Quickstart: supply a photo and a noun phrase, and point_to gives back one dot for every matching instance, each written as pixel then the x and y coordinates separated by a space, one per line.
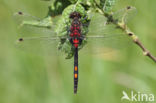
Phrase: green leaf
pixel 46 22
pixel 57 7
pixel 107 5
pixel 73 1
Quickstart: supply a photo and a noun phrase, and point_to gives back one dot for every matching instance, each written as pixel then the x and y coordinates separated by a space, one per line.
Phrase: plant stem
pixel 128 32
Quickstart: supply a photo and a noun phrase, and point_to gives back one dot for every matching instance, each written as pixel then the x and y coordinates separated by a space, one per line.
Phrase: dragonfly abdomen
pixel 76 70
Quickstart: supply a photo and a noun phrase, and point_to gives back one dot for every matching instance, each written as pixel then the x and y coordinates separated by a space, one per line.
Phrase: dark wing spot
pixel 130 34
pixel 20 13
pixel 20 39
pixel 128 7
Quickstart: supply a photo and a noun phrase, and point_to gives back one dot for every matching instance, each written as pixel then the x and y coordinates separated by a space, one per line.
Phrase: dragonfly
pixel 99 35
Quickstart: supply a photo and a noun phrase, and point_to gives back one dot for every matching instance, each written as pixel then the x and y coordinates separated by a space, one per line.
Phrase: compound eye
pixel 71 16
pixel 79 15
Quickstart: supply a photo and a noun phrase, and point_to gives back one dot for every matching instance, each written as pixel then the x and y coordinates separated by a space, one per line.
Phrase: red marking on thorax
pixel 75 41
pixel 75 31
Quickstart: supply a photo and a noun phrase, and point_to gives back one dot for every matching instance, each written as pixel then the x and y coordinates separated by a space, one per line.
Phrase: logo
pixel 140 97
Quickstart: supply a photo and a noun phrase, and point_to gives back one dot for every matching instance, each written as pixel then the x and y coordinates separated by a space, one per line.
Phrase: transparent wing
pixel 38 45
pixel 125 14
pixel 36 35
pixel 27 22
pixel 103 38
pixel 105 44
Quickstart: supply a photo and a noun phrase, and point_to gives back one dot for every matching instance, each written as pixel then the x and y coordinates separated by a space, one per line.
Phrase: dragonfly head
pixel 75 15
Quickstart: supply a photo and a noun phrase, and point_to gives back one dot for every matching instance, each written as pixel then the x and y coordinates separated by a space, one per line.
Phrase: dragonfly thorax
pixel 75 29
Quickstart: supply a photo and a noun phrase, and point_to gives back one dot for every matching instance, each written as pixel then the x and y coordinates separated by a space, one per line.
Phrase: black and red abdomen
pixel 75 29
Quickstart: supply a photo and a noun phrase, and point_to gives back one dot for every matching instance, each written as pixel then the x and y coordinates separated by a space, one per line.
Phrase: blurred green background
pixel 29 78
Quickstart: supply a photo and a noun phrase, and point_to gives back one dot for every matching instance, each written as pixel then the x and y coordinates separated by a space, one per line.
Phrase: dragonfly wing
pixel 103 38
pixel 125 14
pixel 107 44
pixel 98 26
pixel 36 35
pixel 25 21
pixel 38 45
